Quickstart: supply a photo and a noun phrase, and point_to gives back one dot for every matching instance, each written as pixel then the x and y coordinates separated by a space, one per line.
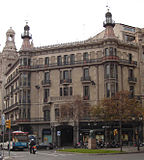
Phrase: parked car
pixel 45 146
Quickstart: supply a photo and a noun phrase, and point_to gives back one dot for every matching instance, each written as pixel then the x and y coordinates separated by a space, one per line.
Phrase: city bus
pixel 19 140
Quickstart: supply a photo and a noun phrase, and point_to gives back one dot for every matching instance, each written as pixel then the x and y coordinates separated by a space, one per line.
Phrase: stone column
pixel 75 134
pixel 54 138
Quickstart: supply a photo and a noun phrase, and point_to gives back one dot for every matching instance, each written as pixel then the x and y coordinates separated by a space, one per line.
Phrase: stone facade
pixel 43 78
pixel 7 58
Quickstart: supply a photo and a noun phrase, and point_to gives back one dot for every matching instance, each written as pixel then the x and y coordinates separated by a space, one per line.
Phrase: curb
pixel 8 158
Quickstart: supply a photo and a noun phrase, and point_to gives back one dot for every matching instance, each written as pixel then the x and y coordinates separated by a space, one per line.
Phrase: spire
pixel 26 36
pixel 109 25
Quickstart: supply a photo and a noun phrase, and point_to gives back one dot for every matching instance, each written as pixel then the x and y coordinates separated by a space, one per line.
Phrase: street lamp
pixel 138 129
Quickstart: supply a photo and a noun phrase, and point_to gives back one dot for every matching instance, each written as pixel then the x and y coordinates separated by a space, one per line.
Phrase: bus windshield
pixel 20 136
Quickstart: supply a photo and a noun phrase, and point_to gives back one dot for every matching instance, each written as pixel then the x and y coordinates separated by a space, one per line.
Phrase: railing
pixel 83 62
pixel 111 76
pixel 61 98
pixel 132 79
pixel 46 82
pixel 21 120
pixel 11 107
pixel 65 81
pixel 85 97
pixel 87 78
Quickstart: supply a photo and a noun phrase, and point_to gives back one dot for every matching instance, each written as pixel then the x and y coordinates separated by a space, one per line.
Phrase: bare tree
pixel 120 107
pixel 74 110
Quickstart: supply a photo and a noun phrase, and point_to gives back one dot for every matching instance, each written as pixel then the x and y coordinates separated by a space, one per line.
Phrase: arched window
pixel 47 115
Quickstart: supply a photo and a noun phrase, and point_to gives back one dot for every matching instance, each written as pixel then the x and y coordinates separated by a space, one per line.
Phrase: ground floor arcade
pixel 71 133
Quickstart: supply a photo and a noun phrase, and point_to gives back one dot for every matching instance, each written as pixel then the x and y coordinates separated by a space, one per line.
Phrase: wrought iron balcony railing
pixel 132 79
pixel 65 81
pixel 46 82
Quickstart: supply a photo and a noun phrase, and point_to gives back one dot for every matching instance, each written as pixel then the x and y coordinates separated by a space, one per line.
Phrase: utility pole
pixel 8 125
pixel 3 127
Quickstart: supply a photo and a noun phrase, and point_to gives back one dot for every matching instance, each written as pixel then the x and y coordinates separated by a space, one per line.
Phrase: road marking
pixel 53 154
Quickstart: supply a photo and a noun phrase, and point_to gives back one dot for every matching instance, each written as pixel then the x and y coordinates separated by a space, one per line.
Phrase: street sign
pixel 3 120
pixel 58 133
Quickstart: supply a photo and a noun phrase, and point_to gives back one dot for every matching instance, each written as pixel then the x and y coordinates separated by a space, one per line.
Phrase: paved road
pixel 52 155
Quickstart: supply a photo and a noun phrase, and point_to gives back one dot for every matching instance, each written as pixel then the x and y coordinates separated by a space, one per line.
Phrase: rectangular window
pixel 46 94
pixel 65 74
pixel 129 29
pixel 71 91
pixel 47 115
pixel 132 90
pixel 59 60
pixel 131 73
pixel 111 51
pixel 56 113
pixel 107 89
pixel 61 92
pixel 72 59
pixel 85 56
pixel 115 52
pixel 46 60
pixel 24 96
pixel 28 96
pixel 46 76
pixel 29 79
pixel 130 57
pixel 129 38
pixel 106 52
pixel 24 75
pixel 65 59
pixel 25 61
pixel 86 92
pixel 29 62
pixel 65 91
pixel 86 73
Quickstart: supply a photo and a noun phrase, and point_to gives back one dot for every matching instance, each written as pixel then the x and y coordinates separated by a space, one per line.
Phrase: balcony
pixel 86 98
pixel 24 67
pixel 111 76
pixel 46 82
pixel 12 107
pixel 61 98
pixel 110 58
pixel 132 80
pixel 65 81
pixel 85 62
pixel 46 100
pixel 86 79
pixel 30 121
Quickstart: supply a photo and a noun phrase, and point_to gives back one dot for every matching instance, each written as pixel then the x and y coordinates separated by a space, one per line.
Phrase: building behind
pixel 44 78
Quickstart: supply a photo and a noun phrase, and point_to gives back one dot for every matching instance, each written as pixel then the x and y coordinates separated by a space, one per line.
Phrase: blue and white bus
pixel 19 140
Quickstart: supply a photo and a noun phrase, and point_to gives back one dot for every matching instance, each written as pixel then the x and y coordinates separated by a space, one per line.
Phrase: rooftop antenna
pixel 107 6
pixel 26 21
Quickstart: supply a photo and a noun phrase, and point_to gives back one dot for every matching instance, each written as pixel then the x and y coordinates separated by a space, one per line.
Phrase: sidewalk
pixel 129 149
pixel 8 158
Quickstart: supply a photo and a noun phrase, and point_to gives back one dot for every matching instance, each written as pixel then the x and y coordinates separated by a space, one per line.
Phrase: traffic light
pixel 115 132
pixel 8 124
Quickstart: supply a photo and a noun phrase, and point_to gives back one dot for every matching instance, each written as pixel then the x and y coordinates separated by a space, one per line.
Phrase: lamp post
pixel 138 131
pixel 133 138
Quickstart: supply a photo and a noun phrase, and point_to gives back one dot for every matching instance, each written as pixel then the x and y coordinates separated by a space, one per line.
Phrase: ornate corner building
pixel 40 79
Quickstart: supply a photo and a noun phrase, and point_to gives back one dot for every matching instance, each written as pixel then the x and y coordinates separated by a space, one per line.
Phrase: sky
pixel 62 21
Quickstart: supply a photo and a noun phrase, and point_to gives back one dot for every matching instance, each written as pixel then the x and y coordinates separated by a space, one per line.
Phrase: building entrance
pixel 66 135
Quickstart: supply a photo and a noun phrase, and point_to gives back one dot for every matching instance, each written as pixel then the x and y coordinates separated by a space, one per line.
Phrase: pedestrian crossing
pixel 54 154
